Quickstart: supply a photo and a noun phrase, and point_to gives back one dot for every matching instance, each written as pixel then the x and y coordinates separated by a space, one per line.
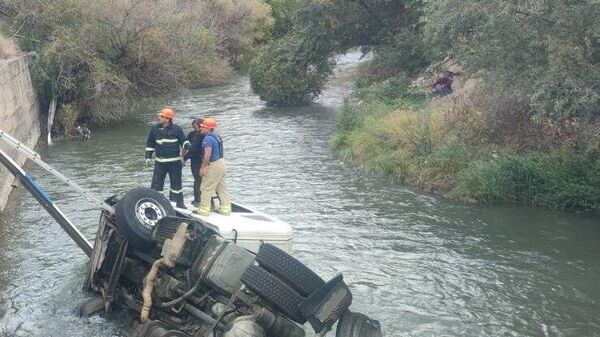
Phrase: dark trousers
pixel 173 169
pixel 195 167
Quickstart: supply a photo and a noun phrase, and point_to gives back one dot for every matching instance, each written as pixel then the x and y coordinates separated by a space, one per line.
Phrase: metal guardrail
pixel 36 158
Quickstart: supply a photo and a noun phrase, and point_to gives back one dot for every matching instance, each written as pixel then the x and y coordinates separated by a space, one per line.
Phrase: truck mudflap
pixel 325 306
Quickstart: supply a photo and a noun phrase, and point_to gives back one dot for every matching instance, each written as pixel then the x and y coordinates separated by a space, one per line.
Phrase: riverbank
pixel 446 146
pixel 101 62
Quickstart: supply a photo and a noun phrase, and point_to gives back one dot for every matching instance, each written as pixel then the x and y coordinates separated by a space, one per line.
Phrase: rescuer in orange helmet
pixel 167 141
pixel 212 170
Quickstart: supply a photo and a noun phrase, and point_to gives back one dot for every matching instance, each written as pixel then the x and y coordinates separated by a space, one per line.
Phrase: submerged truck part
pixel 44 199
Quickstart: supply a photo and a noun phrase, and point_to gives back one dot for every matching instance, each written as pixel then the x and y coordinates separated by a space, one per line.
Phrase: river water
pixel 422 265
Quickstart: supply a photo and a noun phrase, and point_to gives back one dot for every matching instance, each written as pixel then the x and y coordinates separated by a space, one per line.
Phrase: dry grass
pixel 8 48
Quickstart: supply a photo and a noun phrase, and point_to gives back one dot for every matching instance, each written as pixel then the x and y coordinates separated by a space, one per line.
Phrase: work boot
pixel 224 213
pixel 200 213
pixel 205 211
pixel 225 210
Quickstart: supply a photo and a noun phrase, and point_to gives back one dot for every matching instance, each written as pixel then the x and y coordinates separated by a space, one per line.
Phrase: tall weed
pixel 559 180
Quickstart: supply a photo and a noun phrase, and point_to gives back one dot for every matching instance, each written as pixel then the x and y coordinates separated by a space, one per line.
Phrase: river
pixel 420 264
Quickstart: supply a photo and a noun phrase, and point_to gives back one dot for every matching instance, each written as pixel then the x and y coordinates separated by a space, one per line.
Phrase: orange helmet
pixel 167 113
pixel 208 123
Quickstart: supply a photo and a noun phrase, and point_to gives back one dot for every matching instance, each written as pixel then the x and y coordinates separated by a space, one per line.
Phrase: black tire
pixel 138 211
pixel 90 306
pixel 287 268
pixel 354 324
pixel 274 291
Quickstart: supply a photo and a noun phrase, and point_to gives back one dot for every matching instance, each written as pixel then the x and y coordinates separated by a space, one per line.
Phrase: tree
pixel 291 70
pixel 103 57
pixel 544 52
pixel 314 31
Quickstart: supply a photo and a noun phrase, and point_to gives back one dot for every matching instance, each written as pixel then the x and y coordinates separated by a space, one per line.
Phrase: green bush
pixel 558 180
pixel 406 53
pixel 290 71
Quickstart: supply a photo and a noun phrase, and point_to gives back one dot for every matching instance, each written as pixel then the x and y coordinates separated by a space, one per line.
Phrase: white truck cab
pixel 248 228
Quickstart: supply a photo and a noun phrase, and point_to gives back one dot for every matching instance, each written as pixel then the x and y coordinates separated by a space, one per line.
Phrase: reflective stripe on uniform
pixel 167 140
pixel 176 191
pixel 167 160
pixel 149 149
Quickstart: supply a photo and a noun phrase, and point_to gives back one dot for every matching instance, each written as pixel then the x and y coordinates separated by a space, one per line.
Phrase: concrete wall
pixel 19 114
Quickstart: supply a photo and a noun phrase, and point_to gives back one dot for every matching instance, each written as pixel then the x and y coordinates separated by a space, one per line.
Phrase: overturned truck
pixel 182 277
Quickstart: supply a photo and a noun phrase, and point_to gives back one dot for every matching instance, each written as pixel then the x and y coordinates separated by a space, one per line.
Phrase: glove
pixel 149 161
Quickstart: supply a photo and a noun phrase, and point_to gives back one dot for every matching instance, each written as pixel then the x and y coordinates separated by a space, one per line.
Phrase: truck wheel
pixel 274 291
pixel 90 306
pixel 353 324
pixel 287 268
pixel 138 211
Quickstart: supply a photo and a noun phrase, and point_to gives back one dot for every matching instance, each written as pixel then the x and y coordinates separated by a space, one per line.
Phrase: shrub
pixel 543 53
pixel 104 57
pixel 559 180
pixel 406 53
pixel 291 70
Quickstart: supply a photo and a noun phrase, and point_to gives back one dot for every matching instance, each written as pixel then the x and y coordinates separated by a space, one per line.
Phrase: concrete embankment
pixel 19 113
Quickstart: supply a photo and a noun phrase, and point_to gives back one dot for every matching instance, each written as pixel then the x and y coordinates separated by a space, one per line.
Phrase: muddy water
pixel 420 264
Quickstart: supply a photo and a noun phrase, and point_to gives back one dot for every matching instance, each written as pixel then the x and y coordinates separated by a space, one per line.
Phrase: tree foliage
pixel 290 71
pixel 544 52
pixel 103 56
pixel 318 30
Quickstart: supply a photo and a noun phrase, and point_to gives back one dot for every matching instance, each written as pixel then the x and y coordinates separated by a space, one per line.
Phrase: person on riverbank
pixel 443 85
pixel 194 155
pixel 167 140
pixel 212 170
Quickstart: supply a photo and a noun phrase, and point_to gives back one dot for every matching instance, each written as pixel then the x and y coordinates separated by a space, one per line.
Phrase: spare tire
pixel 354 324
pixel 274 291
pixel 288 269
pixel 138 211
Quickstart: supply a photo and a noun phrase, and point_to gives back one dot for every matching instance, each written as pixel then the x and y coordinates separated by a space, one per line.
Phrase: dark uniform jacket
pixel 195 152
pixel 166 142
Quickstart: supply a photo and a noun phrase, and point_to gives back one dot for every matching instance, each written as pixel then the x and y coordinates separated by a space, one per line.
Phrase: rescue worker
pixel 166 140
pixel 194 154
pixel 212 170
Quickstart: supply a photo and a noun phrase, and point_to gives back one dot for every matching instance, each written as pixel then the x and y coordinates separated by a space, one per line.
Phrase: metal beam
pixel 44 199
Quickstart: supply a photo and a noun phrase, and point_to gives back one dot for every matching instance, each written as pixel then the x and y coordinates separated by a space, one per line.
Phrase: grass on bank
pixel 419 143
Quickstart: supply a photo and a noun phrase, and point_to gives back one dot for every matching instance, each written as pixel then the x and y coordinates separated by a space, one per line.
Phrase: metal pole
pixel 44 199
pixel 36 158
